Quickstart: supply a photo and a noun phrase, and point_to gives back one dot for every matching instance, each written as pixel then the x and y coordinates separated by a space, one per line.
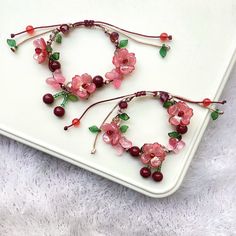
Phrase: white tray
pixel 204 39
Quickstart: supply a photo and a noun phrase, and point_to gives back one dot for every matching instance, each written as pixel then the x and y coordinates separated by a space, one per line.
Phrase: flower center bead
pixel 125 61
pixel 38 50
pixel 109 132
pixel 181 113
pixel 152 155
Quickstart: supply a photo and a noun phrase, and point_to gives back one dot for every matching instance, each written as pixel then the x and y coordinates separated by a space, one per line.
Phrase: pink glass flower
pixel 83 85
pixel 124 61
pixel 40 50
pixel 112 135
pixel 180 113
pixel 175 145
pixel 115 77
pixel 153 154
pixel 57 80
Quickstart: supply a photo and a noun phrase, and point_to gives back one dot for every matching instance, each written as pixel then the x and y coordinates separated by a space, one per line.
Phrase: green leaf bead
pixel 168 104
pixel 58 38
pixel 123 128
pixel 215 115
pixel 72 97
pixel 55 56
pixel 11 42
pixel 49 48
pixel 94 129
pixel 163 50
pixel 123 43
pixel 175 134
pixel 123 116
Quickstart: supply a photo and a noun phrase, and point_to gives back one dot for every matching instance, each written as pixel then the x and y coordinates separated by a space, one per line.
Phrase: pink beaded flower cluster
pixel 151 155
pixel 81 86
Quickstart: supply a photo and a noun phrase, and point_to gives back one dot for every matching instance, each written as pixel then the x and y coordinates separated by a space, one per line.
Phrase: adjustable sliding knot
pixel 140 93
pixel 88 23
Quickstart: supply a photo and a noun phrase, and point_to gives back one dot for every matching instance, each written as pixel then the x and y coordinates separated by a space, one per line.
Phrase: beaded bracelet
pixel 82 86
pixel 151 155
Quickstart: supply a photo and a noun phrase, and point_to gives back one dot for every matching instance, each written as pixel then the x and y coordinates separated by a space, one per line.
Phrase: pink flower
pixel 153 154
pixel 115 77
pixel 57 80
pixel 124 61
pixel 40 50
pixel 112 135
pixel 83 86
pixel 180 113
pixel 175 145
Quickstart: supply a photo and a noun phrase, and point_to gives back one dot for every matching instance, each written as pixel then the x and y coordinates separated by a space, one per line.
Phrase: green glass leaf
pixel 163 50
pixel 175 134
pixel 58 38
pixel 123 128
pixel 167 104
pixel 55 56
pixel 11 42
pixel 123 43
pixel 123 116
pixel 215 115
pixel 72 98
pixel 49 48
pixel 94 129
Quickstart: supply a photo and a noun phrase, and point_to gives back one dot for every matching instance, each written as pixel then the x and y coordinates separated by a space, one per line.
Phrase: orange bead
pixel 76 122
pixel 29 29
pixel 206 102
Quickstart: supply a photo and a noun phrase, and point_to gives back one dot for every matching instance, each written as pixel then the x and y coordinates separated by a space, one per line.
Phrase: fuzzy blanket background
pixel 41 195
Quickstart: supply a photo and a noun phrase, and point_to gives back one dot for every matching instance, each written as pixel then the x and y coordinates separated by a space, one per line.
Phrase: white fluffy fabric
pixel 41 195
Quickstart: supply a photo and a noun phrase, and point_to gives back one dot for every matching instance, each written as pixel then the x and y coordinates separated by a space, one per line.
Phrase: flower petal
pixel 53 83
pixel 145 158
pixel 91 88
pixel 119 149
pixel 117 83
pixel 125 143
pixel 155 162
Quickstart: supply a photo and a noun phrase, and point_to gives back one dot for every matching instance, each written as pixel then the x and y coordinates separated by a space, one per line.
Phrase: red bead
pixel 38 50
pixel 123 104
pixel 182 129
pixel 181 113
pixel 98 81
pixel 157 176
pixel 145 172
pixel 134 151
pixel 54 65
pixel 206 102
pixel 64 28
pixel 48 98
pixel 114 37
pixel 59 111
pixel 163 36
pixel 76 122
pixel 29 29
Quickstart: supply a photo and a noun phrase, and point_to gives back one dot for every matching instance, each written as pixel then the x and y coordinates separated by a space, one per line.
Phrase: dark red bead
pixel 145 172
pixel 48 98
pixel 54 65
pixel 123 104
pixel 134 151
pixel 157 176
pixel 164 96
pixel 98 81
pixel 59 111
pixel 65 28
pixel 182 129
pixel 114 36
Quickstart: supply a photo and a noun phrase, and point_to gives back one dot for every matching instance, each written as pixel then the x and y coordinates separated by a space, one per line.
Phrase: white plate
pixel 204 39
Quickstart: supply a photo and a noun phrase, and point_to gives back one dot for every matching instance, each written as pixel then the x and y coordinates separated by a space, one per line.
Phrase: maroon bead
pixel 48 98
pixel 182 129
pixel 145 172
pixel 54 65
pixel 164 96
pixel 64 28
pixel 157 176
pixel 114 36
pixel 59 111
pixel 98 81
pixel 123 104
pixel 134 151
